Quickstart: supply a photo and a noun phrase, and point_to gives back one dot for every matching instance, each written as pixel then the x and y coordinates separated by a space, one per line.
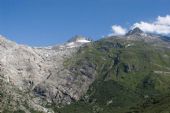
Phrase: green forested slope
pixel 132 77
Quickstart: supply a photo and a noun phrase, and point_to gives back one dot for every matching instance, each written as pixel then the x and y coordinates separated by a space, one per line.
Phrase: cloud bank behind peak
pixel 161 25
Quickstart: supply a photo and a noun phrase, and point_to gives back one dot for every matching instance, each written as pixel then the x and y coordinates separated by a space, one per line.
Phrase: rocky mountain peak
pixel 74 42
pixel 79 38
pixel 135 31
pixel 138 34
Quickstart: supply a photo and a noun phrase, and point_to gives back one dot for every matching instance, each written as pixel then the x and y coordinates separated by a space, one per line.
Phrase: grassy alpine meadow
pixel 129 79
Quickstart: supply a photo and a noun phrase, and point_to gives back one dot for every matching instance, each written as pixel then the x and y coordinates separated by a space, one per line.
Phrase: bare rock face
pixel 40 71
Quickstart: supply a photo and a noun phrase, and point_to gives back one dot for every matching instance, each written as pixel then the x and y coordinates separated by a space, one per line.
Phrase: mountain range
pixel 117 74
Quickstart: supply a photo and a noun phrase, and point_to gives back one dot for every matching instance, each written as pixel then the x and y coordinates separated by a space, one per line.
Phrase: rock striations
pixel 40 71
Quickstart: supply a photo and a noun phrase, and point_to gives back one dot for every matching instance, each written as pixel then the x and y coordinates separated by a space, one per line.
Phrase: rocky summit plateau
pixel 116 74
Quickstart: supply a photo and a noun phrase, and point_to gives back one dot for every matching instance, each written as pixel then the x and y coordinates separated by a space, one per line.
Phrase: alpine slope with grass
pixel 116 74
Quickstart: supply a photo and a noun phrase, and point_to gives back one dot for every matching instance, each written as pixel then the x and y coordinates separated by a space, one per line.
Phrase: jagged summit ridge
pixel 135 31
pixel 138 34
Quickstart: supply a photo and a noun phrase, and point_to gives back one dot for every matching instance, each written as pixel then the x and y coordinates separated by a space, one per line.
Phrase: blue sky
pixel 48 22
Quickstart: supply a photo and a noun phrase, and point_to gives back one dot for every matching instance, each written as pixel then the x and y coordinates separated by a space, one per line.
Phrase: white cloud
pixel 163 20
pixel 160 26
pixel 118 30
